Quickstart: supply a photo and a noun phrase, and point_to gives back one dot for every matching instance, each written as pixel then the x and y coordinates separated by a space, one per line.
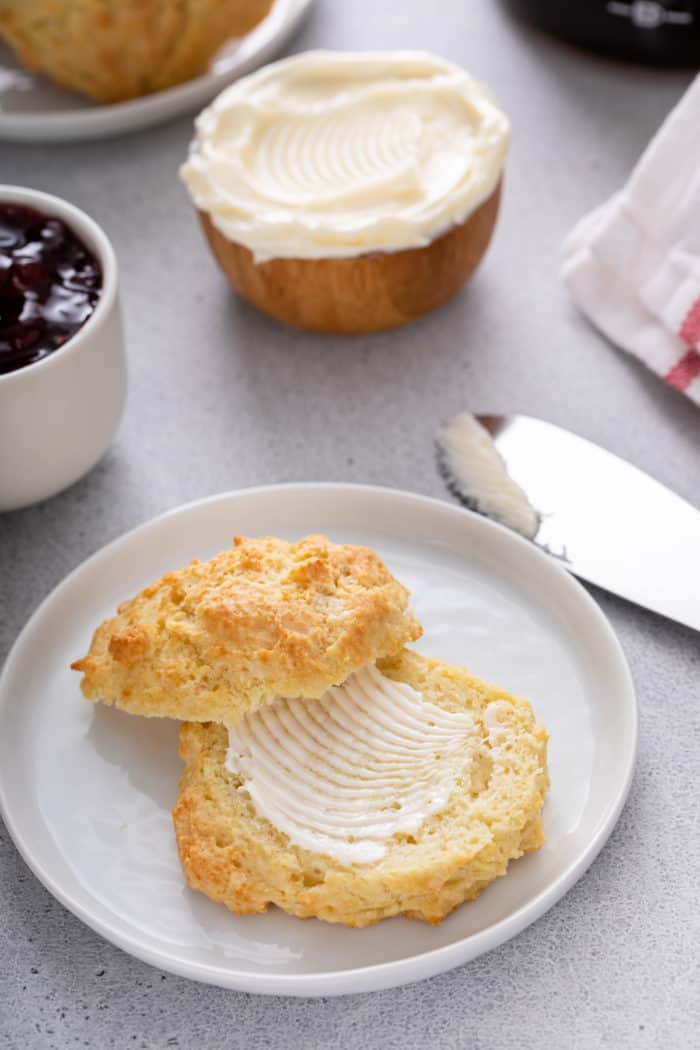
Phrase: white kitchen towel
pixel 633 264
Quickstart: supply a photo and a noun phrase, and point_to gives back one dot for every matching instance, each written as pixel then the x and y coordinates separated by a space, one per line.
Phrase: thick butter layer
pixel 343 774
pixel 340 153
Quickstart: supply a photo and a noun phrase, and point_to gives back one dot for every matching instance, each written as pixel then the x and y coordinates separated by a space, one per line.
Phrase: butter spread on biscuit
pixel 343 774
pixel 335 154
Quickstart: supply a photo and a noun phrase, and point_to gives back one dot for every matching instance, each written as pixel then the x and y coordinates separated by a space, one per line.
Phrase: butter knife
pixel 604 519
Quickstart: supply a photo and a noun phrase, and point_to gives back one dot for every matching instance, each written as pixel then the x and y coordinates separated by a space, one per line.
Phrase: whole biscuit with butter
pixel 404 792
pixel 349 191
pixel 264 619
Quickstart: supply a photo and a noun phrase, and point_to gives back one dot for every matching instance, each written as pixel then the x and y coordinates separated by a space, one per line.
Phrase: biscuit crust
pixel 263 619
pixel 236 857
pixel 114 51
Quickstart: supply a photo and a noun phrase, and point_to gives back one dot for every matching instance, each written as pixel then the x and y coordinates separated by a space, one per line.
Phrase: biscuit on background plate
pixel 117 50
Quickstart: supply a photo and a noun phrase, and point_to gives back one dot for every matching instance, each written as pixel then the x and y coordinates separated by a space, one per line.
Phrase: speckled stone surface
pixel 221 398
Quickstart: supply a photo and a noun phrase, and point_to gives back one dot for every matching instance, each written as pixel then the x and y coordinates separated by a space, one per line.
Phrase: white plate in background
pixel 34 109
pixel 86 791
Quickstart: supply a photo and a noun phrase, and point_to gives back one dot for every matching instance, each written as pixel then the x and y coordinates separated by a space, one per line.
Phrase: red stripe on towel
pixel 690 329
pixel 688 367
pixel 684 371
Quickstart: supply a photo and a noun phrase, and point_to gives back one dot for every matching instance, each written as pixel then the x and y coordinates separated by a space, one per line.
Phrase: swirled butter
pixel 334 154
pixel 343 774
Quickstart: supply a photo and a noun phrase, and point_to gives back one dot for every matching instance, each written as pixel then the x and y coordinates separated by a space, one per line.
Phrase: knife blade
pixel 606 521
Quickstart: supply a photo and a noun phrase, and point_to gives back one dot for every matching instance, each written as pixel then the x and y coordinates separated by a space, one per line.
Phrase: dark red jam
pixel 49 285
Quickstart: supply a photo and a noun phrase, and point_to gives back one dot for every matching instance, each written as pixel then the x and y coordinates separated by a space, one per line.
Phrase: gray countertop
pixel 222 398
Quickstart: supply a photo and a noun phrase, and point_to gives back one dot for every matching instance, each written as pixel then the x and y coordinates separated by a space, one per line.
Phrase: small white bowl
pixel 58 416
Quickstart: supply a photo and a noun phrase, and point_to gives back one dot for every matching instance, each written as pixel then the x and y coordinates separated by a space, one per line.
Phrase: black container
pixel 660 33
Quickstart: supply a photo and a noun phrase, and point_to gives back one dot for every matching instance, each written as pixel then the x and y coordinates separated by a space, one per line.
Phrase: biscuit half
pixel 493 815
pixel 264 619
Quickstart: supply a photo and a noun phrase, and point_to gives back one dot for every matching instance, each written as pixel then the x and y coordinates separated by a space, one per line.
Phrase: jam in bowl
pixel 49 285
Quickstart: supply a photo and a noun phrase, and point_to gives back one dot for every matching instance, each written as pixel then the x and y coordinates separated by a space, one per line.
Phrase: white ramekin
pixel 57 416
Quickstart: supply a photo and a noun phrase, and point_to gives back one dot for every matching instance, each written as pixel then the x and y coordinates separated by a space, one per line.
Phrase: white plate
pixel 86 791
pixel 34 109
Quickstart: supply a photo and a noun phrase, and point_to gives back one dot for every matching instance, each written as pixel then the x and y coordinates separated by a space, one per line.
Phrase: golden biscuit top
pixel 266 618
